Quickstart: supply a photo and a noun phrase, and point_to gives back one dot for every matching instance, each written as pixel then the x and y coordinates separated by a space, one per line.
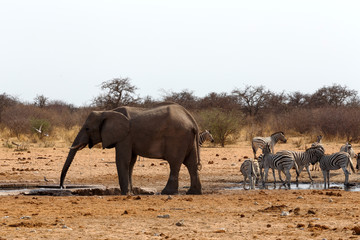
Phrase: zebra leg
pixel 288 178
pixel 274 176
pixel 245 182
pixel 328 178
pixel 308 171
pixel 254 151
pixel 266 176
pixel 324 174
pixel 346 172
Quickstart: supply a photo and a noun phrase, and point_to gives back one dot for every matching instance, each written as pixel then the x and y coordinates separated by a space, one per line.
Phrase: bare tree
pixel 251 99
pixel 119 92
pixel 40 101
pixel 185 98
pixel 335 96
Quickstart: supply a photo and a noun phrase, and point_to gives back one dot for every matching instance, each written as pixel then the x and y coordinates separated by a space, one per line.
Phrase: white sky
pixel 65 49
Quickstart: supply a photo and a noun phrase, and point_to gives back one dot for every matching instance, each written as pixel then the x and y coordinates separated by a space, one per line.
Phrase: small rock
pixel 300 197
pixel 268 225
pixel 233 164
pixel 284 213
pixel 356 230
pixel 66 227
pixel 25 217
pixel 256 203
pixel 224 158
pixel 169 197
pixel 210 162
pixel 164 216
pixel 221 230
pixel 330 200
pixel 217 155
pixel 180 223
pixel 311 211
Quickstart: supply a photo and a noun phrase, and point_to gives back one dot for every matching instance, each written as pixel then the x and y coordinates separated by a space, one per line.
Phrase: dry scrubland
pixel 220 213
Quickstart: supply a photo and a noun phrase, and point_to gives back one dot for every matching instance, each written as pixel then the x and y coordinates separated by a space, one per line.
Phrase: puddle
pixel 301 186
pixel 54 190
pixel 70 190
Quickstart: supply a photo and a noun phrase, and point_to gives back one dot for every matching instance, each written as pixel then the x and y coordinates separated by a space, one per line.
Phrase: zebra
pixel 333 162
pixel 358 161
pixel 250 169
pixel 205 135
pixel 348 148
pixel 316 167
pixel 302 159
pixel 259 142
pixel 280 162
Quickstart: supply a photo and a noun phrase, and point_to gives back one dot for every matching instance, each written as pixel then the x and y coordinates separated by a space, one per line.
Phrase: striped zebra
pixel 259 142
pixel 250 169
pixel 204 136
pixel 316 166
pixel 348 148
pixel 302 159
pixel 280 162
pixel 334 161
pixel 358 161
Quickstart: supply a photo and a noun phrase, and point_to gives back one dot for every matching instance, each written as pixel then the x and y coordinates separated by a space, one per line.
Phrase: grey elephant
pixel 167 131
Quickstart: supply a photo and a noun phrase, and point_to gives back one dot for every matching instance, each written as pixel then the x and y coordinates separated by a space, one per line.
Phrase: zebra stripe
pixel 280 162
pixel 333 162
pixel 302 159
pixel 317 143
pixel 205 135
pixel 250 169
pixel 259 142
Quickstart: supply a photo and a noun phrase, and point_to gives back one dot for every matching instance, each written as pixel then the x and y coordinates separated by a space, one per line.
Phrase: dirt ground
pixel 224 211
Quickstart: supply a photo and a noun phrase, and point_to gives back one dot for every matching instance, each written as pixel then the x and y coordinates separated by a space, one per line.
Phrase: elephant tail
pixel 197 149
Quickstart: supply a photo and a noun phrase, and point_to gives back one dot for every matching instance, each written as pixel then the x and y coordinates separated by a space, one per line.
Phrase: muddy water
pixel 300 186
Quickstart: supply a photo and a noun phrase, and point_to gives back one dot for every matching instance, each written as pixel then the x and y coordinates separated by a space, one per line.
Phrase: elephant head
pixel 107 127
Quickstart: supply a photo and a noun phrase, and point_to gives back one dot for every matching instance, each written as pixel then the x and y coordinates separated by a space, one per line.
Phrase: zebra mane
pixel 278 133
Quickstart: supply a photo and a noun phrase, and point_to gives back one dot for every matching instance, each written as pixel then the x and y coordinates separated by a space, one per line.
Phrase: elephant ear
pixel 115 128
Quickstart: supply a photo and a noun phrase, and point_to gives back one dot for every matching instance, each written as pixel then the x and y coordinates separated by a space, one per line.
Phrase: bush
pixel 224 125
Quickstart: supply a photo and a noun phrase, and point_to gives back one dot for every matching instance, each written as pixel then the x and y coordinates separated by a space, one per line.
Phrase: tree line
pixel 332 111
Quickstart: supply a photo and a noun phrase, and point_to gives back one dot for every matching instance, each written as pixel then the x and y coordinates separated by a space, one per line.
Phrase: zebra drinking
pixel 204 136
pixel 280 162
pixel 333 162
pixel 348 148
pixel 259 142
pixel 250 169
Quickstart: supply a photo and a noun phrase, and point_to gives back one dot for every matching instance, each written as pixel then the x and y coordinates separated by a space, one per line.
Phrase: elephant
pixel 167 131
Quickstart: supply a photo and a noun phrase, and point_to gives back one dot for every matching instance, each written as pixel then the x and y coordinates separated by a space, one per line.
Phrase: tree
pixel 40 101
pixel 185 98
pixel 335 96
pixel 251 99
pixel 119 92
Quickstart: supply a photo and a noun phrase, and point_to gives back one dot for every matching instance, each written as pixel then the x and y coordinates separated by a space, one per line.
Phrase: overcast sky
pixel 66 49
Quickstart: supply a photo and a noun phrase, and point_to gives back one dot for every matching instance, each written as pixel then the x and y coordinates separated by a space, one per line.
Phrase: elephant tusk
pixel 79 146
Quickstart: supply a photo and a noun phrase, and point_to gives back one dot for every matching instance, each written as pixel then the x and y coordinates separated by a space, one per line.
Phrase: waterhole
pixel 300 186
pixel 69 190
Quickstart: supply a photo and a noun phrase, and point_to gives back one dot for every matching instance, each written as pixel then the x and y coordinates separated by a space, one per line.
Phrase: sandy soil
pixel 222 212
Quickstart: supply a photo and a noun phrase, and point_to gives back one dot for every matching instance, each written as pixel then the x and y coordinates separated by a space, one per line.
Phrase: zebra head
pixel 279 136
pixel 209 136
pixel 315 153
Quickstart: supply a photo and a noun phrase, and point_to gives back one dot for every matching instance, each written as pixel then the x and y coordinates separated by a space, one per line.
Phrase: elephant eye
pixel 87 129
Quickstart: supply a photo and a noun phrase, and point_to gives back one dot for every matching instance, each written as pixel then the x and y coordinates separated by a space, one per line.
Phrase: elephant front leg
pixel 173 181
pixel 123 158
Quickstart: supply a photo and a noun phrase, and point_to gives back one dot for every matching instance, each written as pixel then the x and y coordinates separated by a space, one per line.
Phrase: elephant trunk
pixel 66 166
pixel 79 143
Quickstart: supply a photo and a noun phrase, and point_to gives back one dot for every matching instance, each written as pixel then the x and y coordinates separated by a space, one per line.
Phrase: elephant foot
pixel 193 192
pixel 169 192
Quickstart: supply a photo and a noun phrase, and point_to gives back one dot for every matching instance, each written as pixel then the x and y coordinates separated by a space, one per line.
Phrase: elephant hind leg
pixel 131 168
pixel 192 166
pixel 172 185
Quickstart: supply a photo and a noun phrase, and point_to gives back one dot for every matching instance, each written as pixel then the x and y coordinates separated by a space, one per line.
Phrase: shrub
pixel 224 125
